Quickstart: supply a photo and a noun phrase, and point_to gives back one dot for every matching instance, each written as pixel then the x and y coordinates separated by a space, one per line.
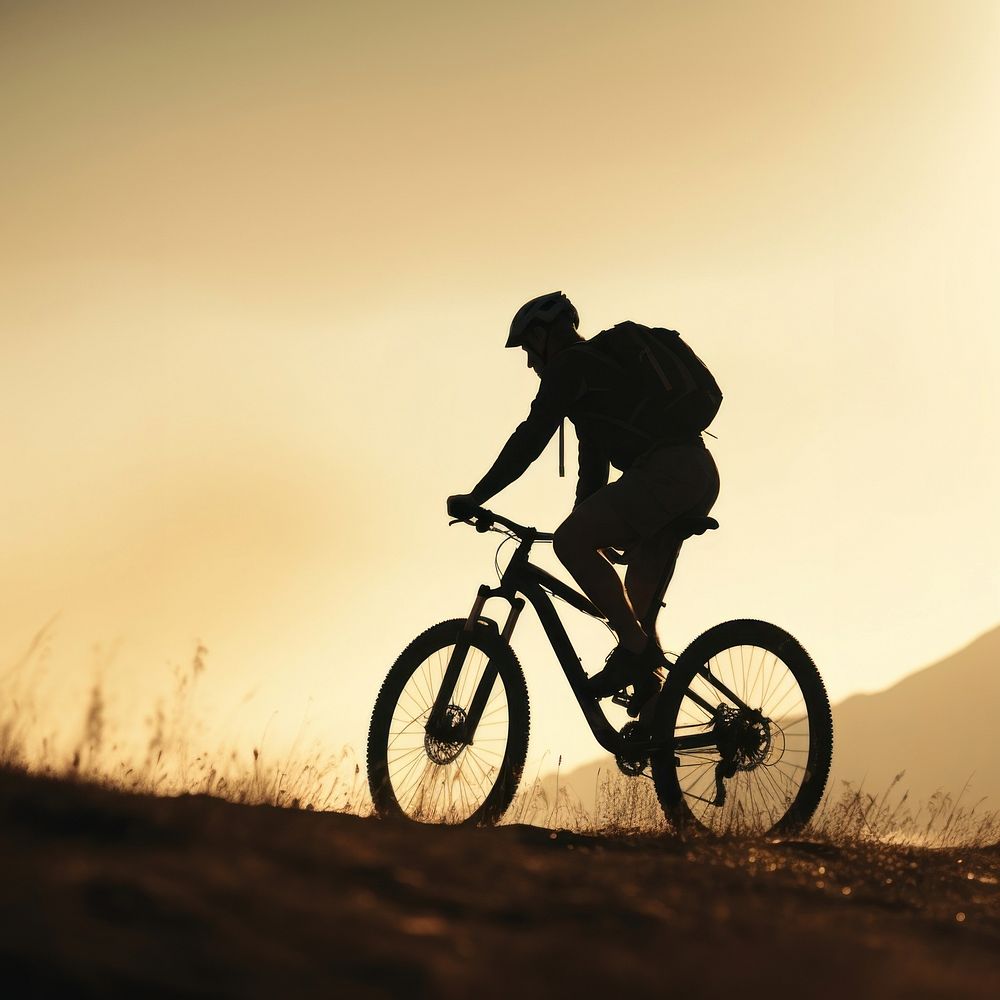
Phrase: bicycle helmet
pixel 542 311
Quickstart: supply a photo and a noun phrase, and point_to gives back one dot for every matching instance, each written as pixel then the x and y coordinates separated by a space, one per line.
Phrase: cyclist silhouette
pixel 620 420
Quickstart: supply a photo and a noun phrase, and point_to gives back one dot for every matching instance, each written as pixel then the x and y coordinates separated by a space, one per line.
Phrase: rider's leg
pixel 683 481
pixel 593 526
pixel 650 569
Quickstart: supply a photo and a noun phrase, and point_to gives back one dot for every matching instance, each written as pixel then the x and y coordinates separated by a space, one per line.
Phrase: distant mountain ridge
pixel 939 727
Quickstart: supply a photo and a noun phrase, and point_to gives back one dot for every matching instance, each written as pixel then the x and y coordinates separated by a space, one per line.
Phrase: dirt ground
pixel 110 895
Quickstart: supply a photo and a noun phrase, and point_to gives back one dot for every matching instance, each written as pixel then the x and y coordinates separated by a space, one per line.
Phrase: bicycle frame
pixel 522 577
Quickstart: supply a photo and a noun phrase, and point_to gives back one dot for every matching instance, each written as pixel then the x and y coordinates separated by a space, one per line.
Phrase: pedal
pixel 643 708
pixel 622 698
pixel 644 695
pixel 634 697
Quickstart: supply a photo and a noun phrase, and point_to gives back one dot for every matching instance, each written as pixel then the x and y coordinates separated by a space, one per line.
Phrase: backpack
pixel 662 389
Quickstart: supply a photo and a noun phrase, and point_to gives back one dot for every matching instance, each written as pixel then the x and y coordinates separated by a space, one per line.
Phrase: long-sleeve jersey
pixel 579 384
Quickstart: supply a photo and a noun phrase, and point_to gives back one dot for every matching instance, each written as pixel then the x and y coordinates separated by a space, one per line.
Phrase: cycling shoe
pixel 624 667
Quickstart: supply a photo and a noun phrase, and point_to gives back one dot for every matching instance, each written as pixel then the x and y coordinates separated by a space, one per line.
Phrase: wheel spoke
pixel 432 779
pixel 764 739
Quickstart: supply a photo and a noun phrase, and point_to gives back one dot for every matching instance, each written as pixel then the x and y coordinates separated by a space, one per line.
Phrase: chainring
pixel 632 763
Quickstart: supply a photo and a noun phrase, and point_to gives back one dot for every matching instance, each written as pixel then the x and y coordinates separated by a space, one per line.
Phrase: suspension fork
pixel 489 677
pixel 453 671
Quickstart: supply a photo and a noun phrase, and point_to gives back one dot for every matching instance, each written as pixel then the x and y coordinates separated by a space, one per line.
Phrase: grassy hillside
pixel 106 894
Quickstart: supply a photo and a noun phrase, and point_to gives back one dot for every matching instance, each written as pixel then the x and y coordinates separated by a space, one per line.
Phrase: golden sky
pixel 257 266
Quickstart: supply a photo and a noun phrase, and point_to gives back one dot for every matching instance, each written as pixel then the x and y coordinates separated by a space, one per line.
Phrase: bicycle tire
pixel 446 777
pixel 762 796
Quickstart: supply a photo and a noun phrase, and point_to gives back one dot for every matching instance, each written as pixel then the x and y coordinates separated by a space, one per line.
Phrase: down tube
pixel 603 731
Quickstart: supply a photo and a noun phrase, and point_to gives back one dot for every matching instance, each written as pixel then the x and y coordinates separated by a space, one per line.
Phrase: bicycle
pixel 738 741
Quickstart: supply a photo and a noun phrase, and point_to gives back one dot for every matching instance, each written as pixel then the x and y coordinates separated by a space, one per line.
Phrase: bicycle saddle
pixel 694 525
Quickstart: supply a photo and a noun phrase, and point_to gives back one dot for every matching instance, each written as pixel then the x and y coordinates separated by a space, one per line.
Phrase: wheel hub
pixel 444 744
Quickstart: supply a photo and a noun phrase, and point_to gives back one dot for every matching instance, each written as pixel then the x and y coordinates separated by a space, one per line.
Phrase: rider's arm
pixel 559 387
pixel 593 471
pixel 523 446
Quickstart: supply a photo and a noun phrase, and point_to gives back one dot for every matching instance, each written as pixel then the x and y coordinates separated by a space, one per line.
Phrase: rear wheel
pixel 750 719
pixel 431 777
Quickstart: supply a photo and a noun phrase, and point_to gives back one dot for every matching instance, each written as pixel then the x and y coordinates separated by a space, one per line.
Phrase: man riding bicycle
pixel 638 399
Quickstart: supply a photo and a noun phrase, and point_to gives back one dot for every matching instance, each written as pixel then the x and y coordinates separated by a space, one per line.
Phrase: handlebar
pixel 484 520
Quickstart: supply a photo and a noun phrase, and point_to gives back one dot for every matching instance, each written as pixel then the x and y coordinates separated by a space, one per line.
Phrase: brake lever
pixel 482 525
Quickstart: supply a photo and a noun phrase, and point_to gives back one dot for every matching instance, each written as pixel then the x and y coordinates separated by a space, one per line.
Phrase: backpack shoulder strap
pixel 598 349
pixel 645 341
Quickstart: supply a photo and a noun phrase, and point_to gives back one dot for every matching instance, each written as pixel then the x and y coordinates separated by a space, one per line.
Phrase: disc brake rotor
pixel 443 745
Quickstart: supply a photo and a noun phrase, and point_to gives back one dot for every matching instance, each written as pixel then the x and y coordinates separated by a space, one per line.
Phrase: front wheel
pixel 425 776
pixel 752 734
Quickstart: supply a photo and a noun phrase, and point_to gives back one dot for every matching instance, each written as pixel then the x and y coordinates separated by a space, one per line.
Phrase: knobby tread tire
pixel 487 639
pixel 746 632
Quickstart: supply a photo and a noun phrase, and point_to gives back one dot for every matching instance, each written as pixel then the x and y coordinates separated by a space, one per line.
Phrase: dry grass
pixel 312 777
pixel 847 815
pixel 893 818
pixel 624 806
pixel 169 761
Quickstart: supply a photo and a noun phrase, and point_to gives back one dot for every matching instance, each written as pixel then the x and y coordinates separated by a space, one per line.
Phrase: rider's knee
pixel 565 542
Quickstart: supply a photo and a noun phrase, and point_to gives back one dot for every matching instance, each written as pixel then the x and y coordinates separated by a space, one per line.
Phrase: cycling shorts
pixel 664 484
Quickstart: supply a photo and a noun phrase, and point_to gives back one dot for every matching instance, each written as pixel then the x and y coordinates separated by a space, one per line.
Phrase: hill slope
pixel 108 895
pixel 938 725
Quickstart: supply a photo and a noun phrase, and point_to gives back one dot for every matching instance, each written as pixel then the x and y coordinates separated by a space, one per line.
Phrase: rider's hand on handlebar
pixel 462 506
